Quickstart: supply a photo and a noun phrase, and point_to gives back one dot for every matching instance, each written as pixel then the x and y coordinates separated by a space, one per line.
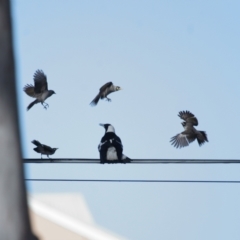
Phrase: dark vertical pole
pixel 14 219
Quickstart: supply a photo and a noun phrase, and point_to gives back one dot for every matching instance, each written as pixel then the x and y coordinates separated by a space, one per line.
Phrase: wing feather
pixel 29 90
pixel 105 86
pixel 179 140
pixel 40 81
pixel 47 148
pixel 188 117
pixel 37 143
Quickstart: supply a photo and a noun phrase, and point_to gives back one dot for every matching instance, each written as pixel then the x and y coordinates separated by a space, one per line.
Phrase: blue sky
pixel 167 56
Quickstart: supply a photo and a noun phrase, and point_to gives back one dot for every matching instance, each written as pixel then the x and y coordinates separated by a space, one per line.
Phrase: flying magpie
pixel 190 133
pixel 104 91
pixel 39 90
pixel 110 147
pixel 43 149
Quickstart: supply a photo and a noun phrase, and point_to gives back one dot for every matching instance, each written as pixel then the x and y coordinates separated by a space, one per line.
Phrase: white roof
pixel 70 211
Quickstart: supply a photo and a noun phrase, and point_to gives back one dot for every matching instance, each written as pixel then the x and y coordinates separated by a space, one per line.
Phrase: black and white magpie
pixel 190 133
pixel 110 147
pixel 39 90
pixel 104 91
pixel 43 149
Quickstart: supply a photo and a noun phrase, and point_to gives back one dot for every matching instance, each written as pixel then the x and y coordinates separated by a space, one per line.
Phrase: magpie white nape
pixel 110 147
pixel 190 133
pixel 110 127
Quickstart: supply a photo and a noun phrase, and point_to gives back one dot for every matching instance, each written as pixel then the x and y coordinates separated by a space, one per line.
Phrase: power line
pixel 134 161
pixel 132 181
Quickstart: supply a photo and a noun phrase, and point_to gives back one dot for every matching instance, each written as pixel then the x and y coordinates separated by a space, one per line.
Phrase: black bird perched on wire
pixel 104 91
pixel 190 133
pixel 43 149
pixel 110 147
pixel 39 90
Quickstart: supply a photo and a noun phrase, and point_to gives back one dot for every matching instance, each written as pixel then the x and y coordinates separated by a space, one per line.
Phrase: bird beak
pixel 120 88
pixel 101 124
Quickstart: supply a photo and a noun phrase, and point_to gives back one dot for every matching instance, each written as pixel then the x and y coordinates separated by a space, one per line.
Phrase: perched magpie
pixel 43 149
pixel 190 133
pixel 39 90
pixel 110 147
pixel 105 90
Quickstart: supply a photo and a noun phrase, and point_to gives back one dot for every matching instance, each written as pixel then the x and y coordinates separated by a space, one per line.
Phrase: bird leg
pixel 108 99
pixel 46 105
pixel 50 158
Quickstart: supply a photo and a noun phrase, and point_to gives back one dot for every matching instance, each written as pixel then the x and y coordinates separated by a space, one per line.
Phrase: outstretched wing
pixel 37 143
pixel 188 117
pixel 40 81
pixel 29 90
pixel 179 141
pixel 182 140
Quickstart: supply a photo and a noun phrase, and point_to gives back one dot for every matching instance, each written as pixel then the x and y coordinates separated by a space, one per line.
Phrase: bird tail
pixel 202 138
pixel 95 100
pixel 126 159
pixel 31 104
pixel 37 143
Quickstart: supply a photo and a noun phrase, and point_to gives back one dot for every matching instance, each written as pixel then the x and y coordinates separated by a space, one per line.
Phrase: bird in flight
pixel 39 90
pixel 110 147
pixel 104 91
pixel 43 149
pixel 190 133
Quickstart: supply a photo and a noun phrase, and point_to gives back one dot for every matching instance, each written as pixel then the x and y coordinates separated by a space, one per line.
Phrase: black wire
pixel 135 161
pixel 138 161
pixel 132 181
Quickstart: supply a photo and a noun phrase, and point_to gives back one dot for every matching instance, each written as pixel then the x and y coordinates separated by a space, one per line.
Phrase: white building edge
pixel 64 216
